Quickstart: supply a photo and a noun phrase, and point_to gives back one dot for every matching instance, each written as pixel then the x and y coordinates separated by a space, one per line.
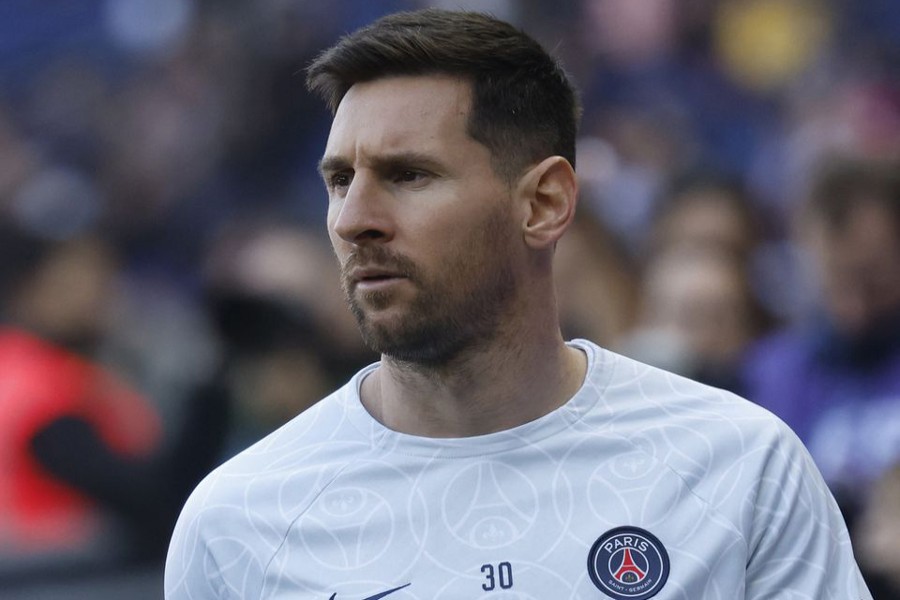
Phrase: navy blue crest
pixel 628 563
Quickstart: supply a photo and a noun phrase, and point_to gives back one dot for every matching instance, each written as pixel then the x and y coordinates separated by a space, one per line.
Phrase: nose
pixel 362 215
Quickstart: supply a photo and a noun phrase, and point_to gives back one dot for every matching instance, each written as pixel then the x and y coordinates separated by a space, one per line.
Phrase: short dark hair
pixel 841 183
pixel 524 108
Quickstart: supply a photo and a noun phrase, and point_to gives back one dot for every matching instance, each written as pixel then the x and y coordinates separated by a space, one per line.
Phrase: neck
pixel 496 386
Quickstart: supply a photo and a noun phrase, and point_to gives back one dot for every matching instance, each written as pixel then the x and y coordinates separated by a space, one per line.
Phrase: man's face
pixel 859 268
pixel 421 224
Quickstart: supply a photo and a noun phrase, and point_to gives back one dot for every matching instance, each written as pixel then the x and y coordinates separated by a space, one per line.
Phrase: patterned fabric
pixel 644 484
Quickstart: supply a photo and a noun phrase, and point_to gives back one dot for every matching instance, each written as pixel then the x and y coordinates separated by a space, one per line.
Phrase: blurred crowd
pixel 168 296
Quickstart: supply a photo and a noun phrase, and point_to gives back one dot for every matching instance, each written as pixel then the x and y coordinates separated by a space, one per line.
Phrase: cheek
pixel 487 245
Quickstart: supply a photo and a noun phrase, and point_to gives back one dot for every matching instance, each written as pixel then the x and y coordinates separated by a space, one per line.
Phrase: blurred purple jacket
pixel 841 398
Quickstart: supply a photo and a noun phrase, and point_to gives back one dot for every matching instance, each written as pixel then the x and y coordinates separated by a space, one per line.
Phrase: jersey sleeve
pixel 799 546
pixel 210 557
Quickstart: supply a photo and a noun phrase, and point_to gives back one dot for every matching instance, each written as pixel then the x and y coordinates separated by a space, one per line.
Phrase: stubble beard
pixel 455 311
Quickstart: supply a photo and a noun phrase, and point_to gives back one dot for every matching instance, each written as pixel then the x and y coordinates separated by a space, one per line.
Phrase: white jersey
pixel 644 485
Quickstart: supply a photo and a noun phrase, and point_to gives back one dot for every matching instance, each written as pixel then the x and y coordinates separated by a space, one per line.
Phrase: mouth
pixel 373 279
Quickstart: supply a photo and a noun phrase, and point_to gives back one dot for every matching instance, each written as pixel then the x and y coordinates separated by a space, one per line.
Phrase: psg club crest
pixel 628 563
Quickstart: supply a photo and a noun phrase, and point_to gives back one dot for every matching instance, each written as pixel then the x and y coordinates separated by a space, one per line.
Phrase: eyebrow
pixel 332 164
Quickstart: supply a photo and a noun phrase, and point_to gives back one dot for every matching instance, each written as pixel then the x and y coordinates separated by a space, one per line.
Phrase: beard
pixel 455 310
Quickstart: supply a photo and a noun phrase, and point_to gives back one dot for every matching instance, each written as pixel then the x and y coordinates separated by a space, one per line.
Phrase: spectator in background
pixel 87 484
pixel 706 210
pixel 835 379
pixel 699 310
pixel 56 301
pixel 698 315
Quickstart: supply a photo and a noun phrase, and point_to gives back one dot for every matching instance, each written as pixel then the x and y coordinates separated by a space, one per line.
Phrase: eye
pixel 409 176
pixel 339 180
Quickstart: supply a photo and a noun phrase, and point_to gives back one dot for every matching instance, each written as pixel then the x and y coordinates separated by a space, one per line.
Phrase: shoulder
pixel 748 468
pixel 708 436
pixel 237 517
pixel 738 458
pixel 304 448
pixel 741 460
pixel 661 399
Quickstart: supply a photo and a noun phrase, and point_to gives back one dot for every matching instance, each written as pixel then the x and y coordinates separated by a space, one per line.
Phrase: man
pixel 835 379
pixel 484 456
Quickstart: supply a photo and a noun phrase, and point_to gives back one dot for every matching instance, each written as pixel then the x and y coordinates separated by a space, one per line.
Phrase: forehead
pixel 395 113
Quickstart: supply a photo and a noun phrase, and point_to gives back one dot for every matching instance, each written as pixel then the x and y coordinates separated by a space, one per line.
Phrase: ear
pixel 550 190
